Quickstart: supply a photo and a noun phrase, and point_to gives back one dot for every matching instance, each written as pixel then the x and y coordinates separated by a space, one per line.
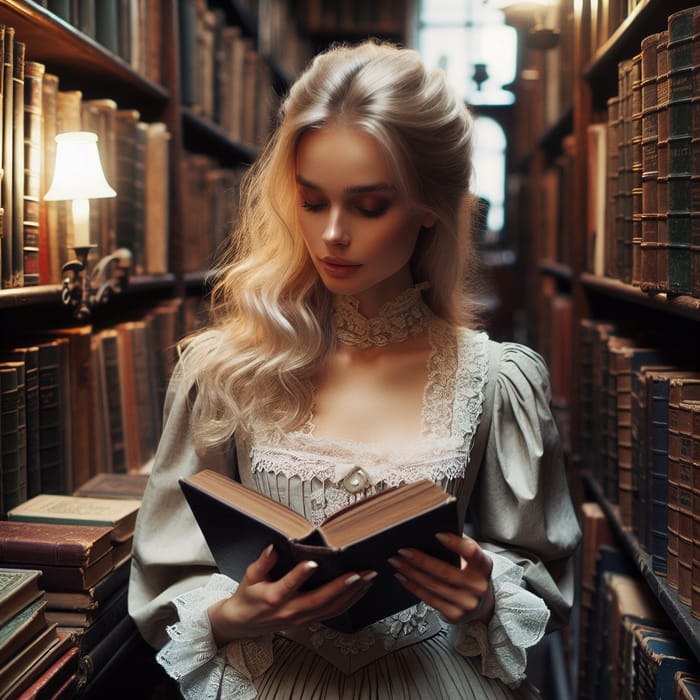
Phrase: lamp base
pixel 84 291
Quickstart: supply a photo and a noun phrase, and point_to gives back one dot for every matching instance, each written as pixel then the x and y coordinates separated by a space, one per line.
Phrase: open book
pixel 239 523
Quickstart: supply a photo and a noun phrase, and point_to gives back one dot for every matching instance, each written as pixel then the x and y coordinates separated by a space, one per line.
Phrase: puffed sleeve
pixel 170 555
pixel 521 508
pixel 173 576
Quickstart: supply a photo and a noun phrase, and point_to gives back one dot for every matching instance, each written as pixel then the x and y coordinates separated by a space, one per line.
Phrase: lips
pixel 337 267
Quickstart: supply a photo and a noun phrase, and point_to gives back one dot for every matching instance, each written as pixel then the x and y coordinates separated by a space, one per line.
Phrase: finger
pixel 261 567
pixel 331 599
pixel 413 561
pixel 468 549
pixel 454 606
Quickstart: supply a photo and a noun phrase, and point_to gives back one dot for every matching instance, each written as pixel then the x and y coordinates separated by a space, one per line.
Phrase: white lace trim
pixel 192 658
pixel 203 671
pixel 518 623
pixel 452 405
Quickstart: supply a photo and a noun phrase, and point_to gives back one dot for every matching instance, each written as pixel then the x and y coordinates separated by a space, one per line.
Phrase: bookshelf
pixel 209 75
pixel 564 264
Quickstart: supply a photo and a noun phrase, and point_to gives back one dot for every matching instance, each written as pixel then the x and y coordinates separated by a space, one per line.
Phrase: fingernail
pixel 394 562
pixel 401 577
pixel 268 550
pixel 311 565
pixel 406 553
pixel 368 577
pixel 352 579
pixel 442 537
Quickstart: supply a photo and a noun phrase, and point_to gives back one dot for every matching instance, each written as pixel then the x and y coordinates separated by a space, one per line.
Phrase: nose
pixel 335 232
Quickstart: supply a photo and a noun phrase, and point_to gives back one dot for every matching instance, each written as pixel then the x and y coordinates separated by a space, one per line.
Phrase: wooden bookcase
pixel 210 126
pixel 553 172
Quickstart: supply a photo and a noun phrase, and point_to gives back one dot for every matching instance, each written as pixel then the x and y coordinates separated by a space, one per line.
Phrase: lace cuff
pixel 192 658
pixel 519 622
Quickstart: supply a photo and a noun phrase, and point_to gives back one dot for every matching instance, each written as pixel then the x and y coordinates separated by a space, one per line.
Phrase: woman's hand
pixel 462 594
pixel 261 606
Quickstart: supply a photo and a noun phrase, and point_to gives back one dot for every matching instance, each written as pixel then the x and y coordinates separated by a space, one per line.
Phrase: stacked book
pixel 34 655
pixel 81 547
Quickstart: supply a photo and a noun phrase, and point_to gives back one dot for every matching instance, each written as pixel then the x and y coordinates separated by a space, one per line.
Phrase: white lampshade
pixel 78 172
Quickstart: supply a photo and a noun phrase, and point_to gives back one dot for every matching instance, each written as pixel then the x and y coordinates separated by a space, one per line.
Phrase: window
pixel 470 41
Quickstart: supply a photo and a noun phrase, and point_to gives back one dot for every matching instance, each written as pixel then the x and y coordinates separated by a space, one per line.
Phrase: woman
pixel 340 360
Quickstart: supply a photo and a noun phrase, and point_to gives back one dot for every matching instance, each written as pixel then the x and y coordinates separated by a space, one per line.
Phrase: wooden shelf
pixel 558 270
pixel 688 307
pixel 78 59
pixel 202 132
pixel 51 293
pixel 648 17
pixel 667 596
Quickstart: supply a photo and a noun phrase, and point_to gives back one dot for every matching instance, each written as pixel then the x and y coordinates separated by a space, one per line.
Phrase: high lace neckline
pixel 405 316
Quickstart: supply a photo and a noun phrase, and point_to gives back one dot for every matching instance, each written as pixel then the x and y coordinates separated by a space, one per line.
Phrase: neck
pixel 397 320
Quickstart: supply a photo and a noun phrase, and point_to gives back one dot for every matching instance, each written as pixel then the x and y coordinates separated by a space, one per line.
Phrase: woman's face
pixel 359 230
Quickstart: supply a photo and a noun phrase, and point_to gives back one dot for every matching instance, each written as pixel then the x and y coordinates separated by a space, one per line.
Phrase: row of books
pixel 130 29
pixel 646 156
pixel 606 17
pixel 628 646
pixel 223 74
pixel 65 565
pixel 210 197
pixel 82 400
pixel 37 235
pixel 640 421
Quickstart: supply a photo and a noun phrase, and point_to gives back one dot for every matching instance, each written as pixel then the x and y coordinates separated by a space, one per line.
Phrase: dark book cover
pixel 53 543
pixel 17 173
pixel 56 577
pixel 13 429
pixel 29 356
pixel 95 597
pixel 33 144
pixel 208 492
pixel 7 152
pixel 52 439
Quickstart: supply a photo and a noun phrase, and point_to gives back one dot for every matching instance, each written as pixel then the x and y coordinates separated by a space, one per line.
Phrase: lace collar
pixel 398 319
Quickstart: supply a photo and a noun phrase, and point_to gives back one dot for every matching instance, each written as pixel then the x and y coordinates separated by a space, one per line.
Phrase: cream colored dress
pixel 519 505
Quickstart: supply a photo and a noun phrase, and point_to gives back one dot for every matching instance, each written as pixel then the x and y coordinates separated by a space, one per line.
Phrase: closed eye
pixel 313 207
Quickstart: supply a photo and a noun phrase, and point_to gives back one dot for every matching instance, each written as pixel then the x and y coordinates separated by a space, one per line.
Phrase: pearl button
pixel 355 481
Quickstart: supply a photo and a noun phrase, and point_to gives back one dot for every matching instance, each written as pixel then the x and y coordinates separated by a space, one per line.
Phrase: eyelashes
pixel 369 212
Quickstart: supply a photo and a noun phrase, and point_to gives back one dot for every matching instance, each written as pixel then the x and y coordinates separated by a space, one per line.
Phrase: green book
pixel 18 588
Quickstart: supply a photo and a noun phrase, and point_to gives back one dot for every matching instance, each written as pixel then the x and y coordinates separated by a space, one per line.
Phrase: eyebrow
pixel 358 189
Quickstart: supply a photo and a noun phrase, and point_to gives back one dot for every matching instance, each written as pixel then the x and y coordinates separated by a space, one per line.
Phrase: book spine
pixel 112 386
pixel 662 180
pixel 695 454
pixel 29 358
pixel 33 145
pixel 52 448
pixel 662 492
pixel 7 153
pixel 50 255
pixel 650 166
pixel 17 172
pixel 12 436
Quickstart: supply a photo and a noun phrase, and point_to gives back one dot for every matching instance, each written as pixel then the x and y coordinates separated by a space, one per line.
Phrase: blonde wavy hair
pixel 270 313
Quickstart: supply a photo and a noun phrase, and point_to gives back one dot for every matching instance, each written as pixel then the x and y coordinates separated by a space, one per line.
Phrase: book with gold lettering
pixel 239 523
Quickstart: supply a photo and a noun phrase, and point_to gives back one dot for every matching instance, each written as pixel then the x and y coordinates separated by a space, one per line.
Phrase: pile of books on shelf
pixel 648 160
pixel 629 648
pixel 37 235
pixel 74 552
pixel 640 413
